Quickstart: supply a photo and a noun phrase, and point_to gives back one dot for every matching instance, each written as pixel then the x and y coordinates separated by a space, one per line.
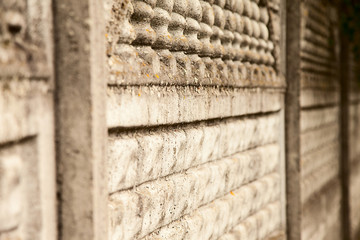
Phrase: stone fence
pixel 178 119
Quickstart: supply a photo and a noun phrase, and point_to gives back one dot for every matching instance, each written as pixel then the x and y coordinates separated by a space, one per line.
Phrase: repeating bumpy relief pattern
pixel 193 111
pixel 22 39
pixel 196 181
pixel 26 120
pixel 320 125
pixel 197 42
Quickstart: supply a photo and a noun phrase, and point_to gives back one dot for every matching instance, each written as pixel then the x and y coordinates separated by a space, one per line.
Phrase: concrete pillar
pixel 81 132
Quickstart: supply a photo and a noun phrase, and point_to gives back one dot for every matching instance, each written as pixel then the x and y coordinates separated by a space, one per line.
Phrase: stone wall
pixel 194 110
pixel 27 161
pixel 319 122
pixel 177 119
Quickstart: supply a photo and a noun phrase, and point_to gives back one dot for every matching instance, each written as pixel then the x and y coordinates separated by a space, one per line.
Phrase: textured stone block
pixel 215 219
pixel 165 200
pixel 314 139
pixel 10 192
pixel 321 213
pixel 141 106
pixel 25 39
pixel 27 162
pixel 311 161
pixel 257 226
pixel 320 177
pixel 320 121
pixel 312 97
pixel 315 118
pixel 176 114
pixel 136 158
pixel 19 108
pixel 311 80
pixel 207 41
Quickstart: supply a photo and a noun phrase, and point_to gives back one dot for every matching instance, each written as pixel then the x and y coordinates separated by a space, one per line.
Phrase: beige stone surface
pixel 193 104
pixel 165 119
pixel 319 124
pixel 215 219
pixel 27 147
pixel 144 106
pixel 139 157
pixel 165 200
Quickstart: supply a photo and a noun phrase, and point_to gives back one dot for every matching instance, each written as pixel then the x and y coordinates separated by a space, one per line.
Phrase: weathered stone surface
pixel 195 113
pixel 141 157
pixel 320 123
pixel 223 214
pixel 79 30
pixel 354 155
pixel 353 146
pixel 322 214
pixel 27 159
pixel 10 192
pixel 316 97
pixel 22 192
pixel 312 140
pixel 184 76
pixel 167 199
pixel 354 195
pixel 218 36
pixel 18 108
pixel 315 118
pixel 330 152
pixel 144 106
pixel 257 226
pixel 320 177
pixel 24 44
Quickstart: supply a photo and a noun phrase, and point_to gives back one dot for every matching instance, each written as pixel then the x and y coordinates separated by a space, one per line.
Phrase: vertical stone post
pixel 80 127
pixel 292 120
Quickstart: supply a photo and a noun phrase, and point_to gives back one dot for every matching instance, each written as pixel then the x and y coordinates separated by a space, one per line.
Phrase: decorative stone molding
pixel 195 42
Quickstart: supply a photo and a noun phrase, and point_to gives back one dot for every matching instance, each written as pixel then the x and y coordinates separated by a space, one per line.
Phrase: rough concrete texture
pixel 321 216
pixel 141 156
pixel 194 116
pixel 80 114
pixel 256 226
pixel 223 214
pixel 146 106
pixel 354 151
pixel 167 199
pixel 193 111
pixel 232 43
pixel 319 123
pixel 27 161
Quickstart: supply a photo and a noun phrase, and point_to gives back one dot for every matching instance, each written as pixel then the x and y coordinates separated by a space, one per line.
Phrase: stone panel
pixel 260 225
pixel 223 214
pixel 20 190
pixel 232 43
pixel 167 199
pixel 138 157
pixel 194 105
pixel 354 148
pixel 27 159
pixel 319 122
pixel 147 106
pixel 321 217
